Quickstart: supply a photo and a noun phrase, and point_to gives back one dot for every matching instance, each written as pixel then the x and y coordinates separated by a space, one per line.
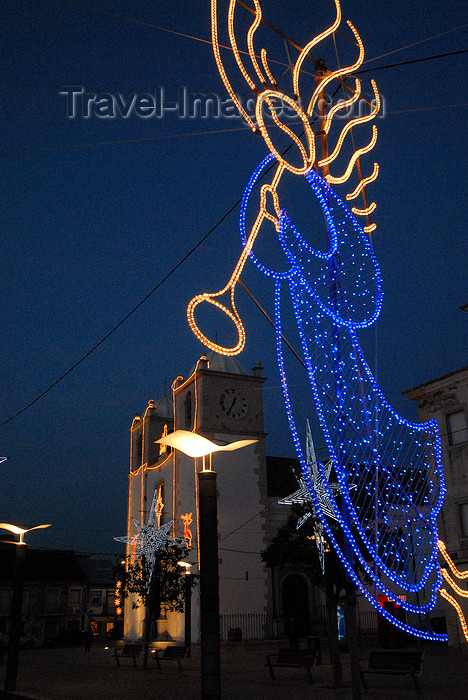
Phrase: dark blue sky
pixel 89 231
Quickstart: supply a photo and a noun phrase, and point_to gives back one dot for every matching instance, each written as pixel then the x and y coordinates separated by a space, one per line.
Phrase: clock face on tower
pixel 233 404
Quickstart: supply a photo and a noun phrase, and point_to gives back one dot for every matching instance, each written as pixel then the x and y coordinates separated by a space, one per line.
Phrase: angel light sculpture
pixel 390 476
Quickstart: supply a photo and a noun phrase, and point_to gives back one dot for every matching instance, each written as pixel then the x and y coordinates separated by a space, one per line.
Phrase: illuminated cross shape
pixel 321 542
pixel 158 508
pixel 187 519
pixel 163 448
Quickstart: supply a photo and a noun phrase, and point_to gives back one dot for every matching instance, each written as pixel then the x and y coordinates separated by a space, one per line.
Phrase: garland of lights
pixel 395 597
pixel 409 557
pixel 462 575
pixel 151 537
pixel 388 469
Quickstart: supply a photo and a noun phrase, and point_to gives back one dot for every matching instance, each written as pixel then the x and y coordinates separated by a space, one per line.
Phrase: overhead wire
pixel 153 25
pixel 119 142
pixel 51 149
pixel 125 318
pixel 415 43
pixel 407 63
pixel 193 249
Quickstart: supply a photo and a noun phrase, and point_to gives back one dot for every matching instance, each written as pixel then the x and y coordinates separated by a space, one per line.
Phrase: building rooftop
pixel 222 363
pixel 435 380
pixel 42 565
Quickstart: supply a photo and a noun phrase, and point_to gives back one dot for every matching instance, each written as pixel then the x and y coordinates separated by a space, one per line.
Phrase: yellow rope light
pixel 445 554
pixel 370 228
pixel 250 33
pixel 219 63
pixel 445 594
pixel 364 212
pixel 156 466
pixel 350 125
pixel 263 55
pixel 307 159
pixel 232 39
pixel 342 105
pixel 337 73
pixel 353 159
pixel 308 47
pixel 457 607
pixel 363 183
pixel 211 297
pixel 455 586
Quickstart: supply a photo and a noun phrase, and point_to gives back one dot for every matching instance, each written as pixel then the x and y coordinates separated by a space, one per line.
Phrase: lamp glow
pixel 185 565
pixel 195 445
pixel 20 531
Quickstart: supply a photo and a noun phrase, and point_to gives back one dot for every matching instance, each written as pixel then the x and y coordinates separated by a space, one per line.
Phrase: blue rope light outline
pixel 317 183
pixel 313 179
pixel 243 208
pixel 429 427
pixel 434 509
pixel 433 636
pixel 303 464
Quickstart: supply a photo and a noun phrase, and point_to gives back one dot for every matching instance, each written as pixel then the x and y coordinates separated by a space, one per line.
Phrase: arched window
pixel 138 456
pixel 188 411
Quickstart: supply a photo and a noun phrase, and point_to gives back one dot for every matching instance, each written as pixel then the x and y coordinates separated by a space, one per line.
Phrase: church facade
pixel 223 402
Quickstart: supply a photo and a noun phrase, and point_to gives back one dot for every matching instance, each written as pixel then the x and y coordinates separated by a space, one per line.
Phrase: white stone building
pixel 221 401
pixel 446 400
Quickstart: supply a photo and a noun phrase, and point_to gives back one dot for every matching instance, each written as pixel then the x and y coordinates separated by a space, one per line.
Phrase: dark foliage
pixel 296 548
pixel 167 589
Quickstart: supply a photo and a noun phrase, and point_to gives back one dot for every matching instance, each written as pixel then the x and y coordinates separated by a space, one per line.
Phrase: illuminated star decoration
pixel 302 496
pixel 150 539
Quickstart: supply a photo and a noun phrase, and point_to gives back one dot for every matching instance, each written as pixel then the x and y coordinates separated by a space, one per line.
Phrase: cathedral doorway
pixel 295 601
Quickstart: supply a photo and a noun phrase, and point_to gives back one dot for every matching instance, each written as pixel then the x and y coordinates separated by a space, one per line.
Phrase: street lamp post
pixel 11 670
pixel 187 607
pixel 195 445
pixel 209 585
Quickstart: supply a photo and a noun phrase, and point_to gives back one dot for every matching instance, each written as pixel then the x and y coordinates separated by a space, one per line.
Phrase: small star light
pixel 303 497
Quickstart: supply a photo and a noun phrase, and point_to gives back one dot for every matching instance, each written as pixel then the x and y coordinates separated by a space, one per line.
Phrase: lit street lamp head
pixel 20 531
pixel 195 445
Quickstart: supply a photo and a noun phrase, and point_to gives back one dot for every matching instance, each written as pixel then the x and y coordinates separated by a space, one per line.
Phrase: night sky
pixel 96 211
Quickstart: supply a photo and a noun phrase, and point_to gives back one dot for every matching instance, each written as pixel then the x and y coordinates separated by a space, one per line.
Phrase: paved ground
pixel 73 674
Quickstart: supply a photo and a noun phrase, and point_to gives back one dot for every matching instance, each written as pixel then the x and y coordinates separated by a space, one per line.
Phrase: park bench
pixel 128 651
pixel 292 658
pixel 394 663
pixel 170 653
